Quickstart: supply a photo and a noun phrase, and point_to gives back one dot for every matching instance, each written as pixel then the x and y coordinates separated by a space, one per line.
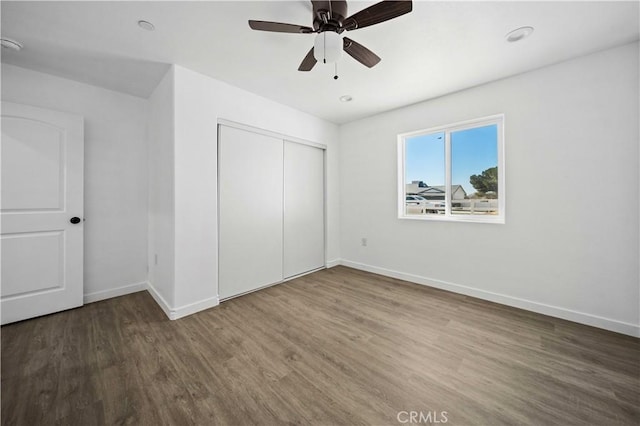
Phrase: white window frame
pixel 497 119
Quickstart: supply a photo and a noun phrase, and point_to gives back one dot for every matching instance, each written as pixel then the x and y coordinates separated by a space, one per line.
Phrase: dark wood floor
pixel 336 347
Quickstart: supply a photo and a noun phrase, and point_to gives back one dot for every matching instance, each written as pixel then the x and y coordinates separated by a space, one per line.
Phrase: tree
pixel 486 182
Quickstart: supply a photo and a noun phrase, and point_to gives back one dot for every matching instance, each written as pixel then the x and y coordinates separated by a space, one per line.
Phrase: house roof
pixel 454 188
pixel 415 188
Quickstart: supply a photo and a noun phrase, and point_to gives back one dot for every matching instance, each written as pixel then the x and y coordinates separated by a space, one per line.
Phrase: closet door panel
pixel 250 175
pixel 303 208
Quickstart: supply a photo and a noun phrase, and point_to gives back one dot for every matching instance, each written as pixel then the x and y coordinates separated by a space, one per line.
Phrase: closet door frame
pixel 283 137
pixel 240 126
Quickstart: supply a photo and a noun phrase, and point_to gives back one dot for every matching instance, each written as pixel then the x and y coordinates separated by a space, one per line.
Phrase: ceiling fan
pixel 329 21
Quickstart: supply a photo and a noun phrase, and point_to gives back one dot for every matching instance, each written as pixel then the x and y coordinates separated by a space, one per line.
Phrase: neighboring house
pixel 418 187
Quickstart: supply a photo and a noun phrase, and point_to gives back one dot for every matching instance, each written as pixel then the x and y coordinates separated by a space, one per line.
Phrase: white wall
pixel 199 101
pixel 572 141
pixel 115 195
pixel 161 254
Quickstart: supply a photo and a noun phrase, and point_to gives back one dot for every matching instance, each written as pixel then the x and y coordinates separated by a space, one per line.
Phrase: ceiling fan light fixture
pixel 327 47
pixel 519 34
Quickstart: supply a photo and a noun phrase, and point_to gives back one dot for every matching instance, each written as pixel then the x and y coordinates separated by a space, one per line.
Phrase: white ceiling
pixel 439 48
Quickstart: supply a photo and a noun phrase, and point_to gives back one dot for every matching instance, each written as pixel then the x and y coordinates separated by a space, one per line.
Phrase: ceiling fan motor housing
pixel 328 15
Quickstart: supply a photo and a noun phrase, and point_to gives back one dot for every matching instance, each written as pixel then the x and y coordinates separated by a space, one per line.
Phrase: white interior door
pixel 250 173
pixel 303 208
pixel 42 160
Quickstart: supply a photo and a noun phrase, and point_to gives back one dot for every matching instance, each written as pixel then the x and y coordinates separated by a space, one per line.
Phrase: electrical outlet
pixel 363 241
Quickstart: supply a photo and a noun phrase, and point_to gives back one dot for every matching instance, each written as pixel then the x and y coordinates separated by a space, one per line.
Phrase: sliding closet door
pixel 303 208
pixel 250 175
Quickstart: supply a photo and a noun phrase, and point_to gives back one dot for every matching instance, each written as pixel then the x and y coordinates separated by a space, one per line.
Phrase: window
pixel 453 172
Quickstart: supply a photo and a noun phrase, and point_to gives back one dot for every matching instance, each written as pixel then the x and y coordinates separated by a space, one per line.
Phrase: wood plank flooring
pixel 339 346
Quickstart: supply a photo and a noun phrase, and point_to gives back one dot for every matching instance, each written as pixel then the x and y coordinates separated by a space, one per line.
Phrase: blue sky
pixel 472 151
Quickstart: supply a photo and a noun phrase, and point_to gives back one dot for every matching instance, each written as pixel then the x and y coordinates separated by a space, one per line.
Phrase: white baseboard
pixel 332 263
pixel 193 308
pixel 114 292
pixel 541 308
pixel 159 300
pixel 182 311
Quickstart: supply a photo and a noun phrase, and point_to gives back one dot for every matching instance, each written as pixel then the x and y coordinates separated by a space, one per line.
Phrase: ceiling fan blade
pixel 360 53
pixel 279 27
pixel 377 13
pixel 308 62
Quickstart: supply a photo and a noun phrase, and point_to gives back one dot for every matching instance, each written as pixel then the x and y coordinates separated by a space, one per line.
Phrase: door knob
pixel 74 220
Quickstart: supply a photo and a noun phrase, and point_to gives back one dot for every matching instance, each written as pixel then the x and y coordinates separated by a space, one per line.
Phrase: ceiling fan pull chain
pixel 335 77
pixel 324 48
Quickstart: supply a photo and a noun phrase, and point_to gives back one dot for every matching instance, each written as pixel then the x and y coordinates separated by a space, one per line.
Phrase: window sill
pixel 467 218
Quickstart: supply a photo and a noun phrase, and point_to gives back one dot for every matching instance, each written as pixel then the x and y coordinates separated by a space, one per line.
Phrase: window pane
pixel 474 171
pixel 424 174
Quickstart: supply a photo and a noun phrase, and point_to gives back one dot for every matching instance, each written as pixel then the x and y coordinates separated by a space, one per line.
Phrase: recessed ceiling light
pixel 7 43
pixel 146 25
pixel 519 34
pixel 346 98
